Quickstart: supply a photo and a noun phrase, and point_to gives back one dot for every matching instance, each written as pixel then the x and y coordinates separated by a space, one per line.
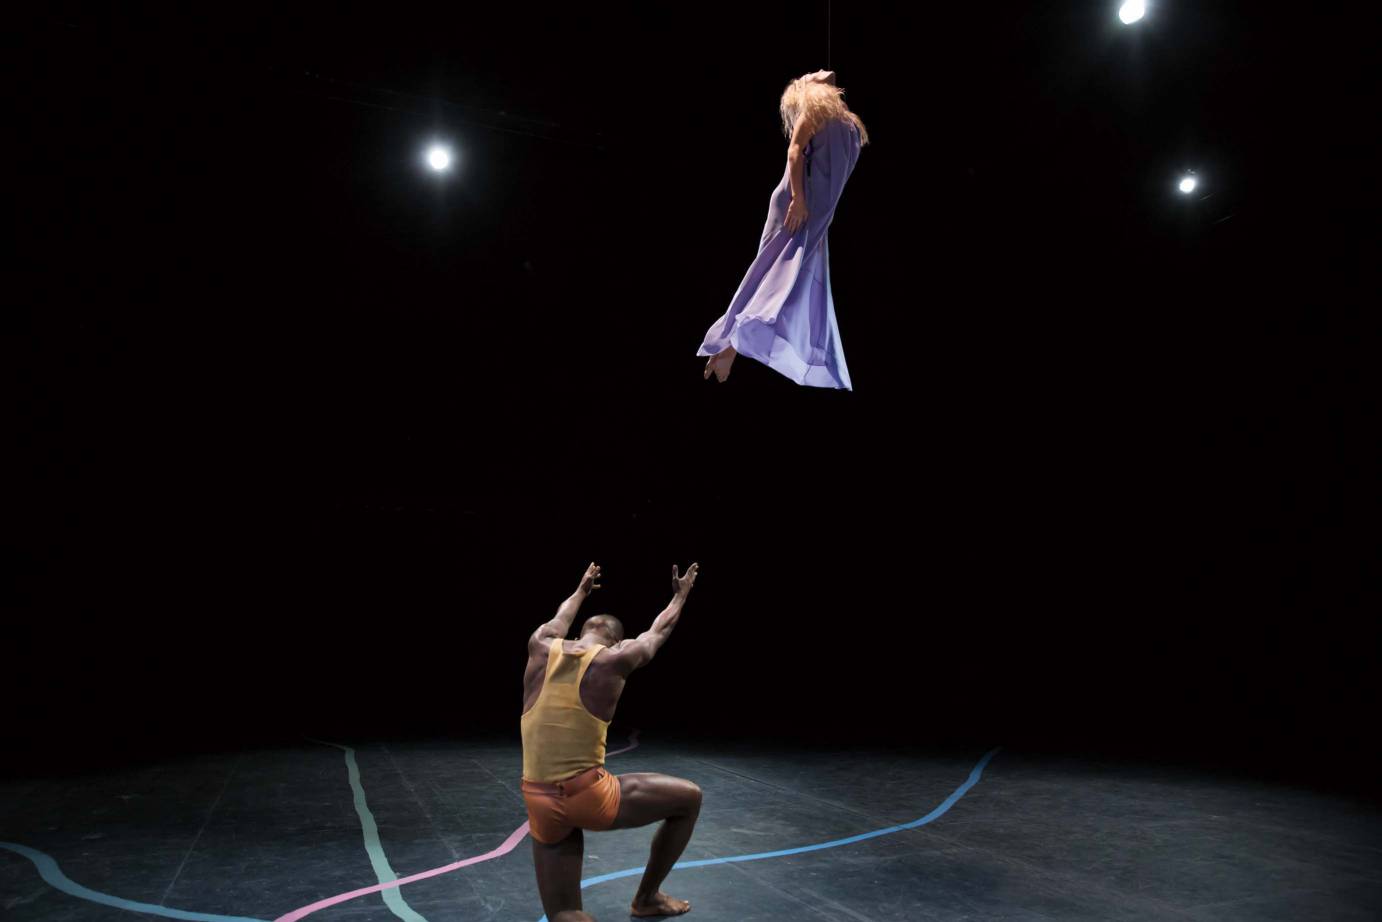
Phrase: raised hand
pixel 681 585
pixel 589 582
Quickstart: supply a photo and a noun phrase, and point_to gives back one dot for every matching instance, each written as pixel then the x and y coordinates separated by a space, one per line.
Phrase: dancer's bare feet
pixel 719 364
pixel 660 904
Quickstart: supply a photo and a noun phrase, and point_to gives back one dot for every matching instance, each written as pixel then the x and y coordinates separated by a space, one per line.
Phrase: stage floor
pixel 818 834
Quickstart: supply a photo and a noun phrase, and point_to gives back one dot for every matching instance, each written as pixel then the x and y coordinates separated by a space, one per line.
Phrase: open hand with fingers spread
pixel 681 585
pixel 590 582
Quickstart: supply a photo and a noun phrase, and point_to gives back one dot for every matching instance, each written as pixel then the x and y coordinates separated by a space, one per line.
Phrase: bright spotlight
pixel 1187 184
pixel 1132 11
pixel 438 158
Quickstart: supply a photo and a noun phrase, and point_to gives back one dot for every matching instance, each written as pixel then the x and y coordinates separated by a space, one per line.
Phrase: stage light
pixel 1132 11
pixel 438 158
pixel 1188 184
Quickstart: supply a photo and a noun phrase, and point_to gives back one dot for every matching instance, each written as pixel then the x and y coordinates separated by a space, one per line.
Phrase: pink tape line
pixel 507 846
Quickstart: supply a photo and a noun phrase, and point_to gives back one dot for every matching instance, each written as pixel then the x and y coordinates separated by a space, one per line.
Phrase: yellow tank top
pixel 560 737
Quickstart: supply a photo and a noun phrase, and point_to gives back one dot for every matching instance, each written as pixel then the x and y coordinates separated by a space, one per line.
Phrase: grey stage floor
pixel 259 834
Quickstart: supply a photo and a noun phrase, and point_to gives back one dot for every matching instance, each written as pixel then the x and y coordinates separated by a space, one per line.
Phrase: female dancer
pixel 783 315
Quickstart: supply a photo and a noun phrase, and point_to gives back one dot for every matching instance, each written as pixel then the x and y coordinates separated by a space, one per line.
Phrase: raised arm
pixel 631 654
pixel 560 625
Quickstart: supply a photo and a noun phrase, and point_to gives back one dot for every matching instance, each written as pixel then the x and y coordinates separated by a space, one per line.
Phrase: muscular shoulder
pixel 622 658
pixel 607 657
pixel 540 645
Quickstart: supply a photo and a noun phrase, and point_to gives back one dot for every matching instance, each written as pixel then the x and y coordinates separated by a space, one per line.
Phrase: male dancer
pixel 570 689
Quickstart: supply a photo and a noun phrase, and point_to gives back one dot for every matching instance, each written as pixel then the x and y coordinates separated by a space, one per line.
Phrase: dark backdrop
pixel 310 440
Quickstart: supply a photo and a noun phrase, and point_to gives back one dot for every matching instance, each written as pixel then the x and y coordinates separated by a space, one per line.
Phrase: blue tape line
pixel 48 869
pixel 974 775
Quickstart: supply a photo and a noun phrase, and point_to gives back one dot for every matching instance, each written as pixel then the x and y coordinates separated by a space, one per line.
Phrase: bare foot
pixel 719 364
pixel 660 905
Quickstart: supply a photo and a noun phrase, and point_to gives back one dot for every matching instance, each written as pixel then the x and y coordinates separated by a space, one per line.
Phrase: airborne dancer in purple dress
pixel 783 315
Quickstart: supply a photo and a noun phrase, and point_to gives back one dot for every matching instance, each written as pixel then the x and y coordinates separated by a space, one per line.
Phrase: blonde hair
pixel 820 101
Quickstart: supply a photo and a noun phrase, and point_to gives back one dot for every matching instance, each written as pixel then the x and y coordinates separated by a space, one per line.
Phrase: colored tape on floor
pixel 52 874
pixel 974 775
pixel 504 848
pixel 373 847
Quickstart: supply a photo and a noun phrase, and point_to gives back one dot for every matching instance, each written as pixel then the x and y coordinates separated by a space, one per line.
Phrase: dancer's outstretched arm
pixel 632 654
pixel 560 624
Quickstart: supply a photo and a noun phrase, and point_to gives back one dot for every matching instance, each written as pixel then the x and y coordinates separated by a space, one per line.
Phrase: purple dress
pixel 783 314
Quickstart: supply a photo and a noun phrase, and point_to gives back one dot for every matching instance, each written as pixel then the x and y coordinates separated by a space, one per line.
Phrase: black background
pixel 310 439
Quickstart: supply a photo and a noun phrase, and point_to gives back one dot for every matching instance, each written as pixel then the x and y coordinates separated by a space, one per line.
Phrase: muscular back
pixel 601 686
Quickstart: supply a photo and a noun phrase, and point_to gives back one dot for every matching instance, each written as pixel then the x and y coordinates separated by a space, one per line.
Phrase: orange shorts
pixel 589 800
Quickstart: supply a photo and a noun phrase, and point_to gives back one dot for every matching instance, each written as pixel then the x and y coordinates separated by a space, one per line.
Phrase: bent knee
pixel 692 795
